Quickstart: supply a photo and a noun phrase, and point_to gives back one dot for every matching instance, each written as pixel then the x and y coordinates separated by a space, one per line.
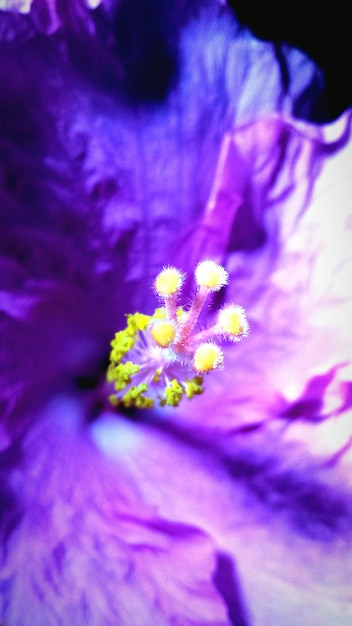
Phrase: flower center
pixel 161 358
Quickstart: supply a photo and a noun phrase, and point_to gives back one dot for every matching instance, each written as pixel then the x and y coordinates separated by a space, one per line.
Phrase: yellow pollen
pixel 207 357
pixel 163 333
pixel 232 320
pixel 211 275
pixel 168 281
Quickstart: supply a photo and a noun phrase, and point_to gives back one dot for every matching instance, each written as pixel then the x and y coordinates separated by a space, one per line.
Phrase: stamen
pixel 163 333
pixel 232 320
pixel 211 275
pixel 194 312
pixel 168 282
pixel 167 285
pixel 157 358
pixel 207 357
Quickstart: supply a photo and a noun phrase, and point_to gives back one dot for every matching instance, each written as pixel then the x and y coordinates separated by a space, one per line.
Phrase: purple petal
pixel 86 545
pixel 281 518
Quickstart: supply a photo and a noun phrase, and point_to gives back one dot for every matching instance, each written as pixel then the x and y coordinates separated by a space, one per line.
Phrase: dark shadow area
pixel 227 583
pixel 146 45
pixel 10 510
pixel 322 31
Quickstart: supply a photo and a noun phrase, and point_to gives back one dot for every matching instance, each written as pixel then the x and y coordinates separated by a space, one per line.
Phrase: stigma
pixel 159 359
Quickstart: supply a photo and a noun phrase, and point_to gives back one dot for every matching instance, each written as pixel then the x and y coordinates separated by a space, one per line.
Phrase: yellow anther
pixel 168 281
pixel 207 357
pixel 193 386
pixel 211 275
pixel 173 393
pixel 232 320
pixel 163 333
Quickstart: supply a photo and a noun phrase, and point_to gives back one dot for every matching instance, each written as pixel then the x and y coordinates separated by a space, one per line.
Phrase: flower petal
pixel 283 521
pixel 97 551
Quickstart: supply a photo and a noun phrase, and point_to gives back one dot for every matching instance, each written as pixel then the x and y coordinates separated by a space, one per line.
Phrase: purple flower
pixel 234 508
